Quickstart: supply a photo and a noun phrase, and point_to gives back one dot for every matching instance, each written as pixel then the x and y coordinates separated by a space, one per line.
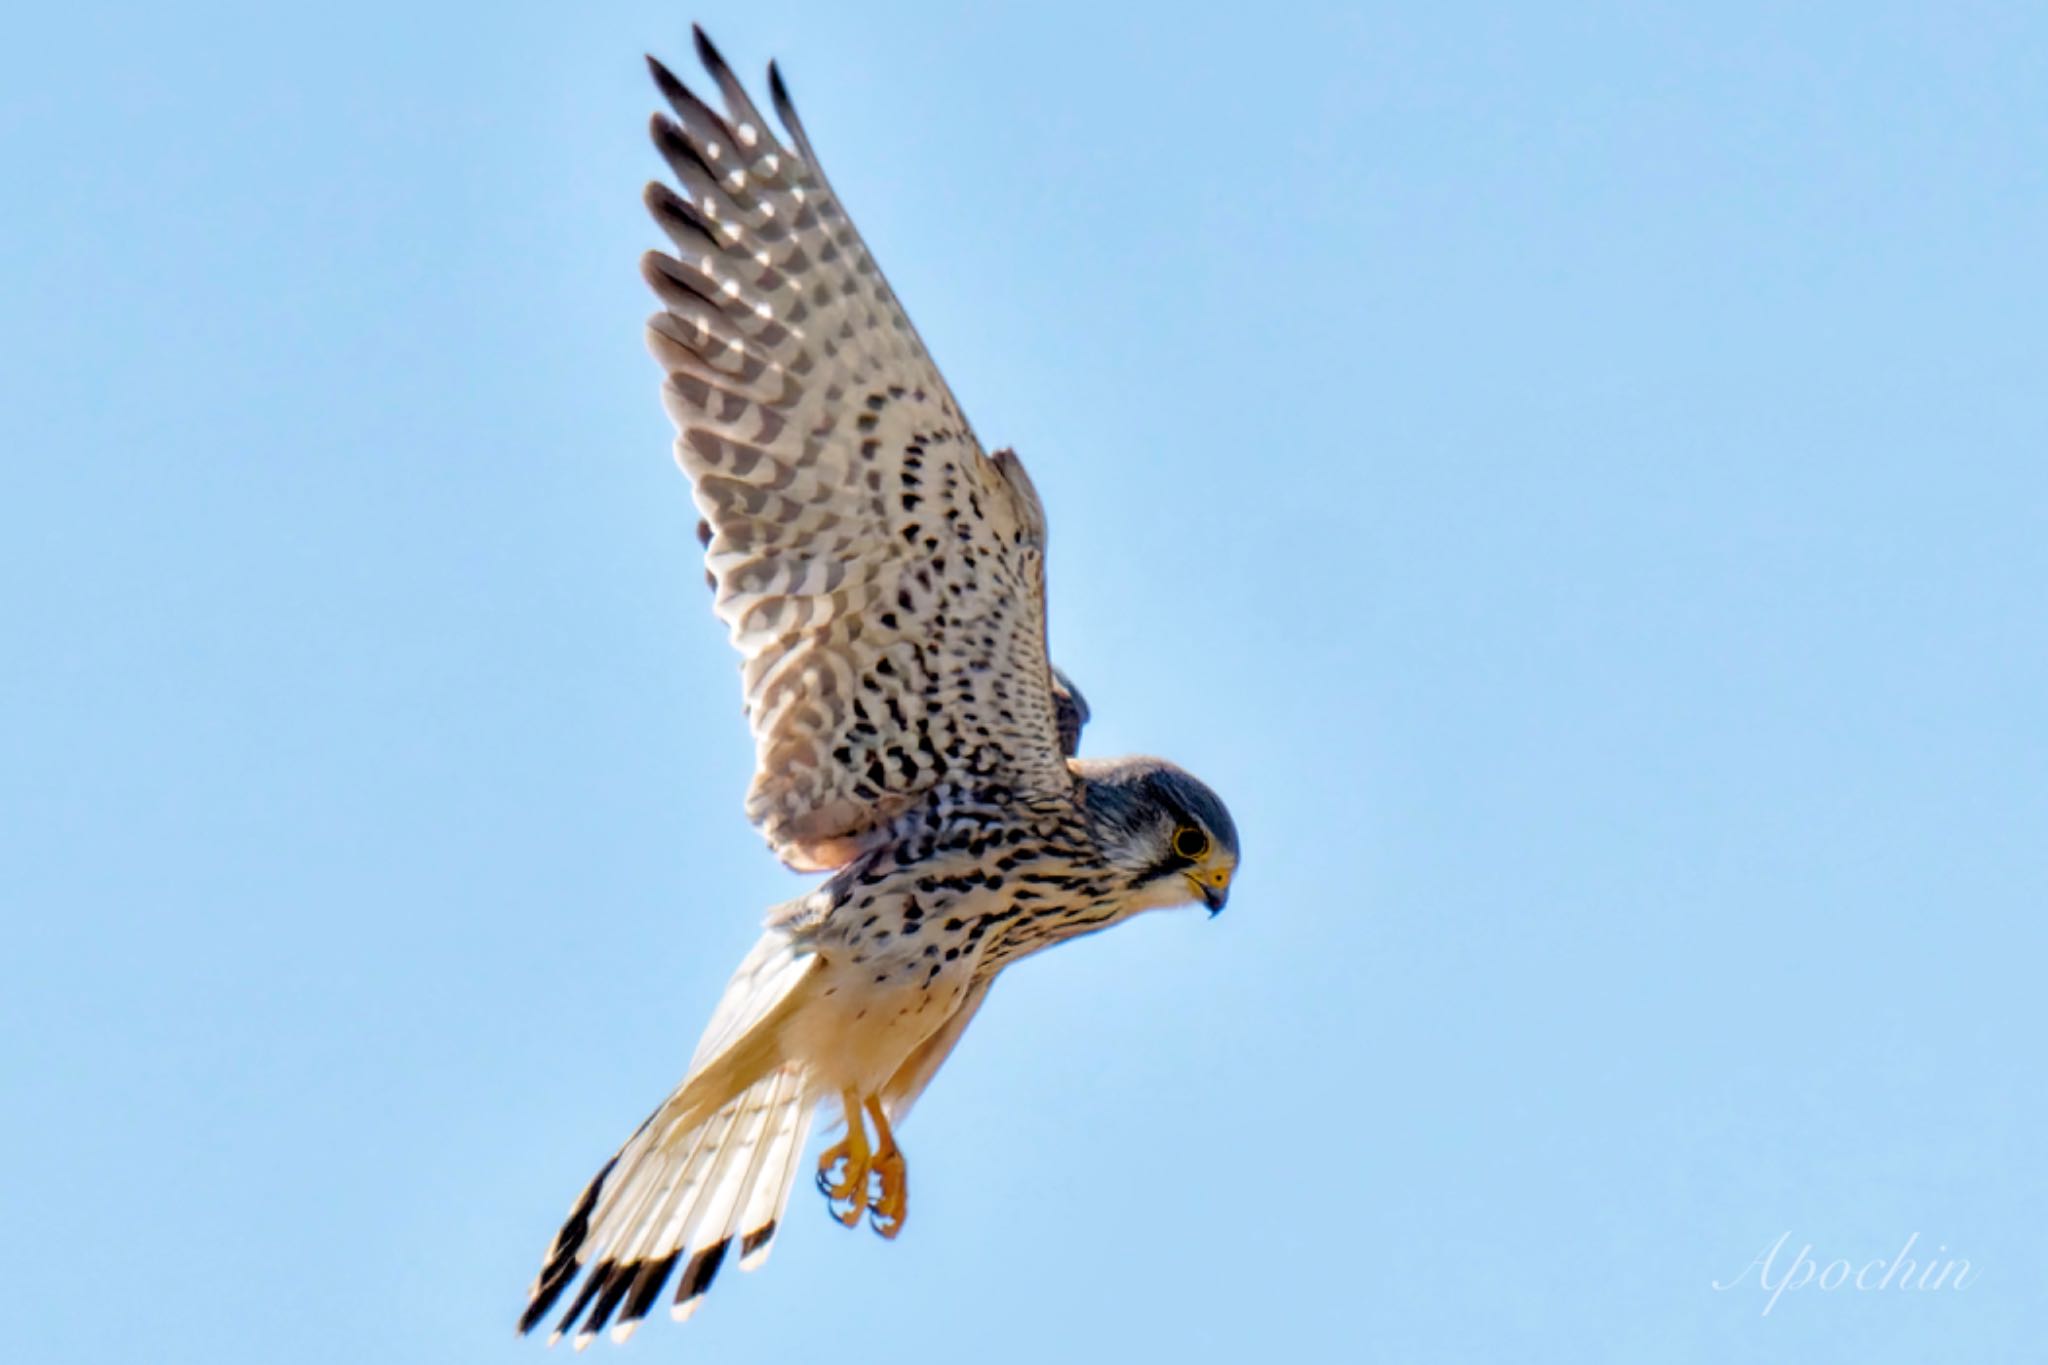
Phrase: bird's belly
pixel 864 1019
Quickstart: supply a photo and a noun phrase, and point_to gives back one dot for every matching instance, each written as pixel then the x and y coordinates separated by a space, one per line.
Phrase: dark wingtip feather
pixel 664 79
pixel 664 276
pixel 680 97
pixel 679 218
pixel 707 51
pixel 689 108
pixel 785 109
pixel 738 103
pixel 675 145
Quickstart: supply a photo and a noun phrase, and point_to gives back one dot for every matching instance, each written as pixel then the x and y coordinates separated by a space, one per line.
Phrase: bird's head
pixel 1170 836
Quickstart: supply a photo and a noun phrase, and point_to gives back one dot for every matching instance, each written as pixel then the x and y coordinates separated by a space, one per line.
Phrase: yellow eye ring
pixel 1190 843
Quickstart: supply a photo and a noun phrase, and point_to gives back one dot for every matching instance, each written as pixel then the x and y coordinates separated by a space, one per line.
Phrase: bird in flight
pixel 884 582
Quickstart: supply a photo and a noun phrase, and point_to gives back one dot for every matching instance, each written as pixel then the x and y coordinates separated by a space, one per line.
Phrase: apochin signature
pixel 1801 1271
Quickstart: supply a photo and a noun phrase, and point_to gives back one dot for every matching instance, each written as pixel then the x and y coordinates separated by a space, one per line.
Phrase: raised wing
pixel 882 578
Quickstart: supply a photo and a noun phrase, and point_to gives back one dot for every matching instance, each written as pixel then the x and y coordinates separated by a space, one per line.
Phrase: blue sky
pixel 1573 480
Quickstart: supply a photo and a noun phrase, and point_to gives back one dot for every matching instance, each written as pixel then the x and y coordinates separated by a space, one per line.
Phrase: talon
pixel 851 1188
pixel 892 1197
pixel 885 1214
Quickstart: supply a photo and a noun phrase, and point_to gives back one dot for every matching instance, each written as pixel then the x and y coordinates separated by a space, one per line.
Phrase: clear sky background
pixel 1574 478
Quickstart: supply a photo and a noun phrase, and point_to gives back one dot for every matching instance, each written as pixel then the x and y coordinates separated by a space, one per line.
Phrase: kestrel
pixel 883 580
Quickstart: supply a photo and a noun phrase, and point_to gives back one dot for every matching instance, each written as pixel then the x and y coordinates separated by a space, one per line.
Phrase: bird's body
pixel 906 934
pixel 882 578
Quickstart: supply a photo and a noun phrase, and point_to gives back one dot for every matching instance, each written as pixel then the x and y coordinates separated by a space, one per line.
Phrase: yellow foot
pixel 844 1171
pixel 892 1199
pixel 850 1187
pixel 885 1213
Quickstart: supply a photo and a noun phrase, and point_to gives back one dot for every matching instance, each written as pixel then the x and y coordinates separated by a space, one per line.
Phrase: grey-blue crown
pixel 1128 792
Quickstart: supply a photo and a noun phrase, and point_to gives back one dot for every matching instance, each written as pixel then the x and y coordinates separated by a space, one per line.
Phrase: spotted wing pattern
pixel 882 578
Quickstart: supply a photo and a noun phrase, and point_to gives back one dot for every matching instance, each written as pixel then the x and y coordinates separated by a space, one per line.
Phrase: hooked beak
pixel 1215 897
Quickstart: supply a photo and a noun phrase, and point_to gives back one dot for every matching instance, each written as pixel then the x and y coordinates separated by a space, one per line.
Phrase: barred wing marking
pixel 882 577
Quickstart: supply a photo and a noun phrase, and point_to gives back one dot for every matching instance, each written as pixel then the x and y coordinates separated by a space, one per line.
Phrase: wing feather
pixel 881 576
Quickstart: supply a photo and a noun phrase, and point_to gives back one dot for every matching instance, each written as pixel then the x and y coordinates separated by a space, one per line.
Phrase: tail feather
pixel 762 1213
pixel 684 1184
pixel 738 1183
pixel 643 1251
pixel 616 1219
pixel 661 1225
pixel 726 1192
pixel 674 1199
pixel 659 1246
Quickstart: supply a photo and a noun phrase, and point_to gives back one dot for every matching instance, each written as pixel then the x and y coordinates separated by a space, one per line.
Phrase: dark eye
pixel 1190 843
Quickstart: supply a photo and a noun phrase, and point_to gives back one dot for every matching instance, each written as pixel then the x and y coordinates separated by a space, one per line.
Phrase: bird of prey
pixel 883 580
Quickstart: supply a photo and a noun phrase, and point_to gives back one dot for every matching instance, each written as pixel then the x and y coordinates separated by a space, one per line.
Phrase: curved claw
pixel 849 1195
pixel 836 1195
pixel 851 1188
pixel 893 1198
